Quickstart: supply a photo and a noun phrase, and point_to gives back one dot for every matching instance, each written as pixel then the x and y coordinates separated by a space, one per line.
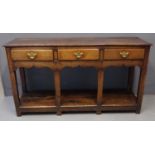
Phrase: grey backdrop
pixel 41 79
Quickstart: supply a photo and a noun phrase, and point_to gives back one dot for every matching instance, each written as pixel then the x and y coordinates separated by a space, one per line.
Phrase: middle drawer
pixel 78 54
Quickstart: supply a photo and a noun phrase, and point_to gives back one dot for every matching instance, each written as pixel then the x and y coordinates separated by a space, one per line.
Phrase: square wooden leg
pixel 57 81
pixel 143 71
pixel 100 91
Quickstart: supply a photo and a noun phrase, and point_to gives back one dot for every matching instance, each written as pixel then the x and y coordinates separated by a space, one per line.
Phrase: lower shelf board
pixel 38 102
pixel 119 102
pixel 77 101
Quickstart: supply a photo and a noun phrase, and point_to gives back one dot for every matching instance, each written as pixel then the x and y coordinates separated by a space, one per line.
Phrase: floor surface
pixel 7 113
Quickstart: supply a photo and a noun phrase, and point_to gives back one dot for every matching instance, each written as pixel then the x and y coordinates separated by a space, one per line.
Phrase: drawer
pixel 123 53
pixel 32 54
pixel 78 54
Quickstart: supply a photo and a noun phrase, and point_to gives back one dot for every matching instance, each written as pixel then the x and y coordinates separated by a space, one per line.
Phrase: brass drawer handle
pixel 32 55
pixel 124 54
pixel 79 55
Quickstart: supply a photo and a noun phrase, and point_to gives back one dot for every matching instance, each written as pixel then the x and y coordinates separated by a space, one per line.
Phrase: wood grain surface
pixel 59 53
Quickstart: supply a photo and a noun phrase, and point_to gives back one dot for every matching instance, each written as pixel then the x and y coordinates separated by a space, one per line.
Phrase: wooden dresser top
pixel 89 41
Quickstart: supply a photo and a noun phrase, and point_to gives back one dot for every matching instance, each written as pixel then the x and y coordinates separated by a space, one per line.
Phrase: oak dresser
pixel 59 53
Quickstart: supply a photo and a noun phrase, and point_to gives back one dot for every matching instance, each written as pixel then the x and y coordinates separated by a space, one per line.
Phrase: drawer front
pixel 32 54
pixel 123 53
pixel 78 54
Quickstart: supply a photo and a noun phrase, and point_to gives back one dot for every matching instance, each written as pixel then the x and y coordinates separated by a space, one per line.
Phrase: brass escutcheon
pixel 124 54
pixel 32 55
pixel 79 55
